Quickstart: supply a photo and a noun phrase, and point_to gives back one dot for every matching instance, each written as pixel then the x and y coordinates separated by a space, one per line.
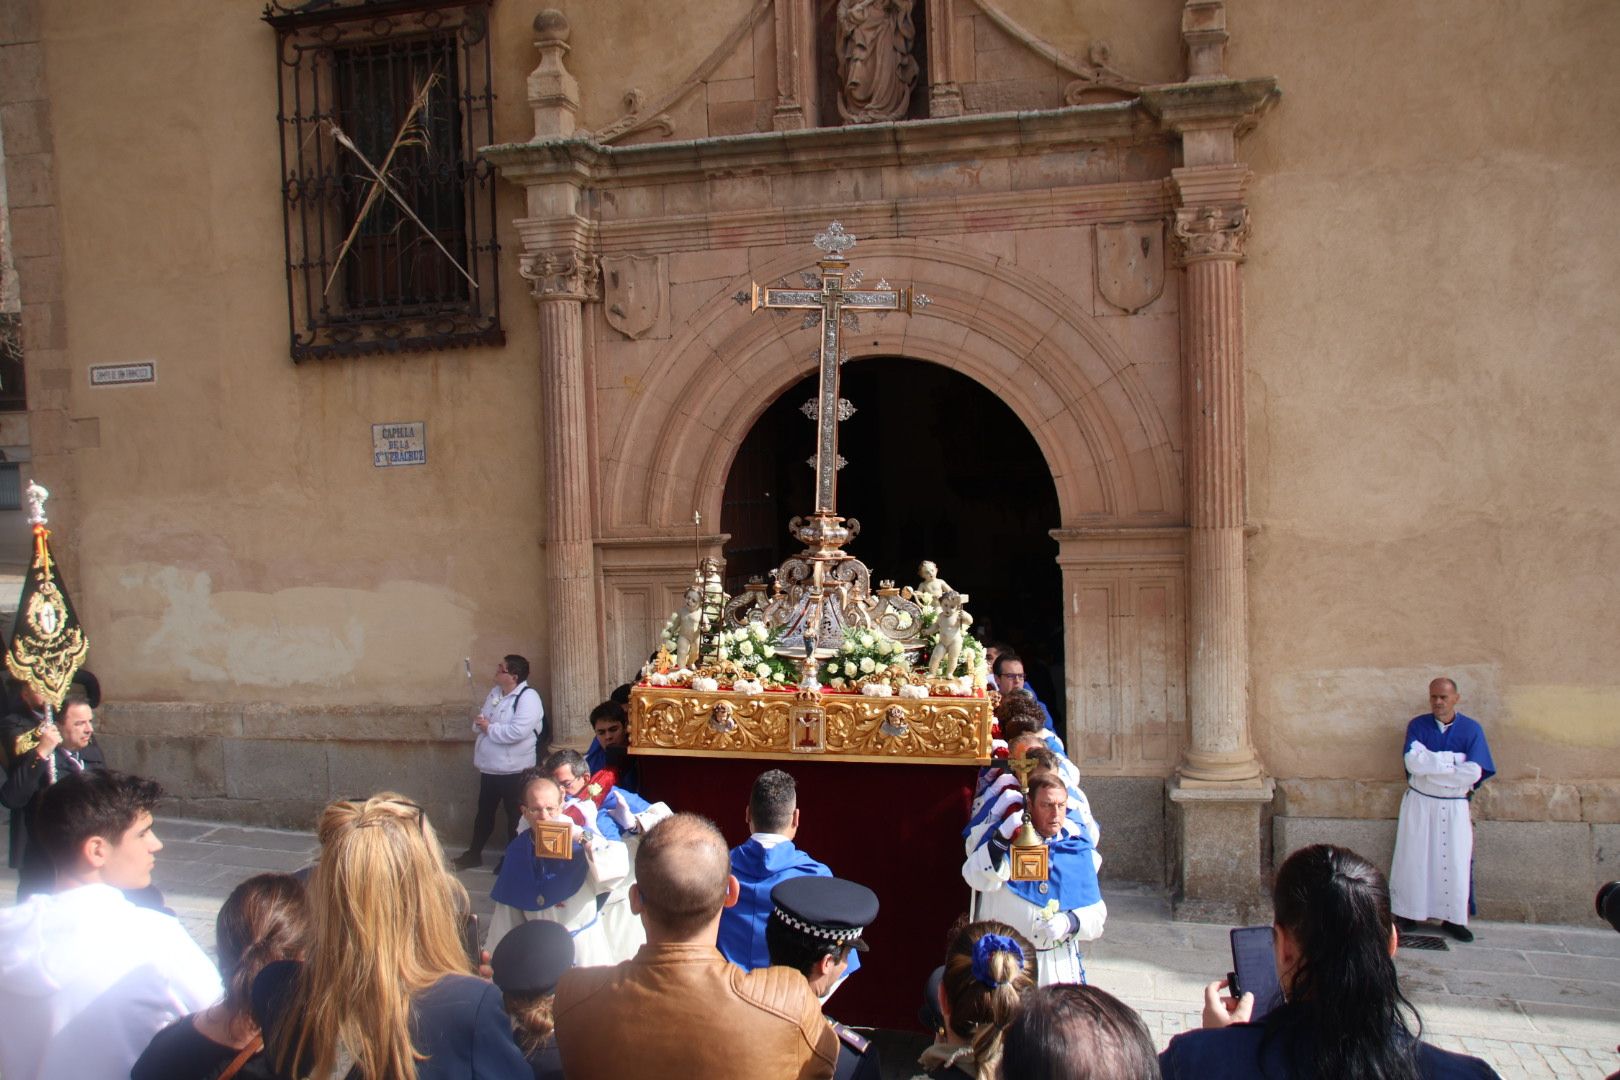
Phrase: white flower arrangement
pixel 704 684
pixel 748 686
pixel 878 689
pixel 913 690
pixel 752 653
pixel 866 657
pixel 969 662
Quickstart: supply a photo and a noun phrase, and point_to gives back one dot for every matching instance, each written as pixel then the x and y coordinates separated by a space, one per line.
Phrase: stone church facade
pixel 1300 466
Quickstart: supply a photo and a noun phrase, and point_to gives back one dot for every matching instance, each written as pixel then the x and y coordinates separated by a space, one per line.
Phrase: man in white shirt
pixel 86 977
pixel 508 727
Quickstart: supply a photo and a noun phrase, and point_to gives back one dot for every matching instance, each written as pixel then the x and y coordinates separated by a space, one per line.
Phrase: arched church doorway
pixel 939 468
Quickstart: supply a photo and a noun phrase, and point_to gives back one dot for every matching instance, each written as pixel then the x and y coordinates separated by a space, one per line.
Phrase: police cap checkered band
pixel 826 933
pixel 825 908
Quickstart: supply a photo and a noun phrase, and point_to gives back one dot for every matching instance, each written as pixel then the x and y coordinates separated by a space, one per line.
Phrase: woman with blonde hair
pixel 387 991
pixel 989 967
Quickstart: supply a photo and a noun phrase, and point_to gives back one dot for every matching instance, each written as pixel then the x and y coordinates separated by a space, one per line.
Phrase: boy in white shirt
pixel 86 977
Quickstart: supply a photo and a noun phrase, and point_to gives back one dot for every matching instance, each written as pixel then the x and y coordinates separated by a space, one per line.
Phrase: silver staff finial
pixel 36 503
pixel 835 241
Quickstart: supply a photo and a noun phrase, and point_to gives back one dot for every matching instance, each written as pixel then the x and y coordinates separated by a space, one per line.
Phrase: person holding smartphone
pixel 1344 1016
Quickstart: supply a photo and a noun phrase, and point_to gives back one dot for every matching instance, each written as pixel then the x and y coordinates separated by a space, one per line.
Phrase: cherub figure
pixel 689 635
pixel 952 625
pixel 931 587
pixel 722 718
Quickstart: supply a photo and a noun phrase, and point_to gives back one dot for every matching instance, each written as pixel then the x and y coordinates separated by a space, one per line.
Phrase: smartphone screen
pixel 1254 961
pixel 469 940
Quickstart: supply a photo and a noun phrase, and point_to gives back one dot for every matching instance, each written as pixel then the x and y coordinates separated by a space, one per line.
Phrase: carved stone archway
pixel 1112 454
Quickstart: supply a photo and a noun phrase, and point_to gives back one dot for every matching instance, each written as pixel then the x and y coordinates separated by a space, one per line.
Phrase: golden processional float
pixel 819 663
pixel 47 644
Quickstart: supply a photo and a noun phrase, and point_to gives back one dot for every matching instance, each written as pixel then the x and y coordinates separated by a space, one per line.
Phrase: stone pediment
pixel 788 64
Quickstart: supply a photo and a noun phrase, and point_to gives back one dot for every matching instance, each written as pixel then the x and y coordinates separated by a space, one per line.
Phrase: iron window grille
pixel 404 85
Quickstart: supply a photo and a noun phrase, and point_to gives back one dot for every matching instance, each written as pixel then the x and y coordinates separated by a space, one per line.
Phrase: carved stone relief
pixel 875 63
pixel 635 291
pixel 563 274
pixel 1211 232
pixel 1130 263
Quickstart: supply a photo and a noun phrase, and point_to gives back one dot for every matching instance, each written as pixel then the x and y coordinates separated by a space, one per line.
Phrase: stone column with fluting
pixel 1210 229
pixel 1219 790
pixel 570 620
pixel 562 273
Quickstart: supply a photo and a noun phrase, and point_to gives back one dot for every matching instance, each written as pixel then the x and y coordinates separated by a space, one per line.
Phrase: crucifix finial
pixel 835 241
pixel 830 300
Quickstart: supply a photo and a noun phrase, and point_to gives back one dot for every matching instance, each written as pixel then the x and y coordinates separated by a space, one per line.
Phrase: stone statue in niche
pixel 875 63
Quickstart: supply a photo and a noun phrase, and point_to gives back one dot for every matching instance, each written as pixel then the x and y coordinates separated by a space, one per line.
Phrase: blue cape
pixel 1071 876
pixel 759 870
pixel 530 883
pixel 1464 736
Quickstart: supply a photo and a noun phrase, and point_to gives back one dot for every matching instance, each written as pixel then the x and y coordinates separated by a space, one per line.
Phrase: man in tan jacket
pixel 679 1008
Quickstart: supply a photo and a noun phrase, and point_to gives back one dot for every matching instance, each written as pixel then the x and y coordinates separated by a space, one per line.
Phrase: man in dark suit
pixel 64 748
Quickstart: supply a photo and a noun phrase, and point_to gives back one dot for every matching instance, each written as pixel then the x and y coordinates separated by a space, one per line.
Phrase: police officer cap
pixel 531 958
pixel 829 909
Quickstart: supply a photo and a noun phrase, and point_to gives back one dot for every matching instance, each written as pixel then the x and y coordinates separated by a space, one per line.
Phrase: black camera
pixel 1608 904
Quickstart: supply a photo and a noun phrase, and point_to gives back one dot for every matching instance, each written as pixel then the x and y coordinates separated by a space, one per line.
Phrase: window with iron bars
pixel 389 214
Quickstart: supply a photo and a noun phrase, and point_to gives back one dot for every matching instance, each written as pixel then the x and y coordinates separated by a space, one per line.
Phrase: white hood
pixel 87 978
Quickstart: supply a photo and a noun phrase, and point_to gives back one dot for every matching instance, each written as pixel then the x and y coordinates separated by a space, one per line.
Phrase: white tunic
pixel 1434 842
pixel 1059 964
pixel 609 863
pixel 621 927
pixel 87 978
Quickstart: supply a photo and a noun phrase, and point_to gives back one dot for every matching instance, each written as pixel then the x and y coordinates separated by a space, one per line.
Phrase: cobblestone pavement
pixel 1534 1001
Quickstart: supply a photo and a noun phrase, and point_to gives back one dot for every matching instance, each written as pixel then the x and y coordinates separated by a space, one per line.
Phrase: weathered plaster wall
pixel 1430 300
pixel 235 543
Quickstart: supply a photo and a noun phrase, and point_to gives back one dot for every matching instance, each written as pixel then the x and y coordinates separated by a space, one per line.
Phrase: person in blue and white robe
pixel 1002 796
pixel 623 816
pixel 564 891
pixel 1446 758
pixel 767 859
pixel 1057 914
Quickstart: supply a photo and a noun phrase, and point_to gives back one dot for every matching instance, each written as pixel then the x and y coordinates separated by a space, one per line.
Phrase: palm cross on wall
pixel 412 133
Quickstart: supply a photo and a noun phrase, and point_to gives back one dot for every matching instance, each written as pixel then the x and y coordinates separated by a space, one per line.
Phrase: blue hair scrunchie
pixel 986 947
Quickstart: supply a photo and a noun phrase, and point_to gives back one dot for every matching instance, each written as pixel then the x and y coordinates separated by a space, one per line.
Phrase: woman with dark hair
pixel 989 967
pixel 1077 1033
pixel 265 919
pixel 1343 1015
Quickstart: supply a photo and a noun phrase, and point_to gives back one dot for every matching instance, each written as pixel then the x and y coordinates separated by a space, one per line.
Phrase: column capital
pixel 1203 233
pixel 564 273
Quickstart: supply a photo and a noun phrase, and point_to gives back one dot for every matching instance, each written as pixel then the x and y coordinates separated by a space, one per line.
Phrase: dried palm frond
pixel 412 133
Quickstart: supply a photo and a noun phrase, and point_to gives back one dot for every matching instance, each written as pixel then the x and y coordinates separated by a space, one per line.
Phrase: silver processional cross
pixel 828 300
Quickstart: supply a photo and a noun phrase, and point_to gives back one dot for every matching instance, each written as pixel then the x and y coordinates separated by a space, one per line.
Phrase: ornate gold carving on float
pixel 849 727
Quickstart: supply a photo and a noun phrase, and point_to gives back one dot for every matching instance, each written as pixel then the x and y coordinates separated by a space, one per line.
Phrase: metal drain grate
pixel 1424 941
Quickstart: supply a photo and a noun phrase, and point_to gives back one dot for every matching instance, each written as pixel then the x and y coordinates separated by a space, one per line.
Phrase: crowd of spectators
pixel 367 966
pixel 362 971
